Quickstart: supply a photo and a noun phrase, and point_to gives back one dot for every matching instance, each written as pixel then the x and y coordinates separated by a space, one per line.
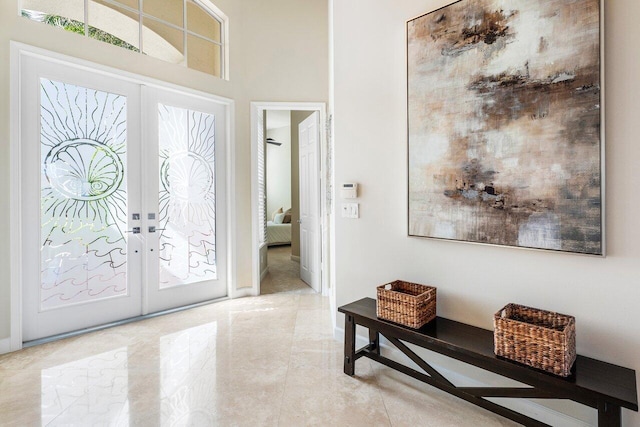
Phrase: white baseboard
pixel 295 258
pixel 264 273
pixel 5 345
pixel 524 406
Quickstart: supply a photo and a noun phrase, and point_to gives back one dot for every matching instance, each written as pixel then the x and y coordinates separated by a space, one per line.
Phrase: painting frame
pixel 568 215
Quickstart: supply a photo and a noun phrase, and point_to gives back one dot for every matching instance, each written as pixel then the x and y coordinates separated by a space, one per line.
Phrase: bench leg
pixel 349 345
pixel 608 415
pixel 374 340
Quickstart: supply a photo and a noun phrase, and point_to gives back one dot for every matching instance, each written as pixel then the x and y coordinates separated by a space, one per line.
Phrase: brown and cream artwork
pixel 504 116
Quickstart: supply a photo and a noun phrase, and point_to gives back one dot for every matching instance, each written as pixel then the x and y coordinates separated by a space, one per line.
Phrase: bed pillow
pixel 273 216
pixel 278 218
pixel 287 217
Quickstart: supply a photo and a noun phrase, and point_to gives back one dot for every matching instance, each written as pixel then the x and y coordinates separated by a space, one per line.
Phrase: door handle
pixel 153 229
pixel 134 230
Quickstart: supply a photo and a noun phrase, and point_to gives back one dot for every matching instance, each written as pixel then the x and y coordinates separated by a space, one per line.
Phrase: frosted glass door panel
pixel 187 198
pixel 83 139
pixel 80 183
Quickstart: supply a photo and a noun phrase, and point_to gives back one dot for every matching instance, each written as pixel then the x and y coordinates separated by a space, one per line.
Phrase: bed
pixel 278 234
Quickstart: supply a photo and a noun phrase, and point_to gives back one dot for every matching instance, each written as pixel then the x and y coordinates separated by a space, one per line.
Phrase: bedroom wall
pixel 266 37
pixel 278 170
pixel 474 281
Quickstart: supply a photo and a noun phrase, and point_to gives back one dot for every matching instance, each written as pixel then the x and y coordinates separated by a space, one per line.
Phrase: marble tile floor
pixel 284 274
pixel 262 361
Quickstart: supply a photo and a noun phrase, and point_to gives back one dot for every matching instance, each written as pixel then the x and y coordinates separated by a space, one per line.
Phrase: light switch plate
pixel 351 210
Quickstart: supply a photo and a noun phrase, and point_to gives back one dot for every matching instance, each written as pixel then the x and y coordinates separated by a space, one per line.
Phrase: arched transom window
pixel 187 32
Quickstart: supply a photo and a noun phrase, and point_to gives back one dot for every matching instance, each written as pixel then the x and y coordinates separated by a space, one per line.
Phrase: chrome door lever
pixel 134 230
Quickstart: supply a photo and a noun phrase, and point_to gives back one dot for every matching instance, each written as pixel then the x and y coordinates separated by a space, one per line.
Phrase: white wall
pixel 265 37
pixel 474 281
pixel 278 169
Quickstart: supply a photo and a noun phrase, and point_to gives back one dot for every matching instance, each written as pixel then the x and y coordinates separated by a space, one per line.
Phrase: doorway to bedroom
pixel 282 272
pixel 287 209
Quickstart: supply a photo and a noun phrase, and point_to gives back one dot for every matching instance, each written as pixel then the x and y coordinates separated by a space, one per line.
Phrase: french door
pixel 185 180
pixel 123 193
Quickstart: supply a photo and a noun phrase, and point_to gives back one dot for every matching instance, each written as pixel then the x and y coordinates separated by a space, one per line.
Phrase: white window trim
pixel 206 5
pixel 218 14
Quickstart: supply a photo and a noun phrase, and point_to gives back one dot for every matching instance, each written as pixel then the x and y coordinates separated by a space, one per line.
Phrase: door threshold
pixel 59 337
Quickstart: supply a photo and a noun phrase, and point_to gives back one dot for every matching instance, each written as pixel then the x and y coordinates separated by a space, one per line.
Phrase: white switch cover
pixel 350 210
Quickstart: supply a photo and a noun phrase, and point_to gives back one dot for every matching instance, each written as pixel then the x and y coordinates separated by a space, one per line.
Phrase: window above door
pixel 191 33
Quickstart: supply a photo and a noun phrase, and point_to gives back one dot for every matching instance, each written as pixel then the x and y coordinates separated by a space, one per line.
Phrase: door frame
pixel 257 109
pixel 17 52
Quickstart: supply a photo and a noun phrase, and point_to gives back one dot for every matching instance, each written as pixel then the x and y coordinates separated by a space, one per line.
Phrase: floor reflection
pixel 188 376
pixel 90 389
pixel 96 389
pixel 262 361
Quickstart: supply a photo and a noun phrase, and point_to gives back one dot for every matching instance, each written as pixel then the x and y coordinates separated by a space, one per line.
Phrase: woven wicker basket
pixel 542 339
pixel 409 304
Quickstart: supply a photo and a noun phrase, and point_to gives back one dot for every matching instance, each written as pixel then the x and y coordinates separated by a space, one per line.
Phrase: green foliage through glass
pixel 77 27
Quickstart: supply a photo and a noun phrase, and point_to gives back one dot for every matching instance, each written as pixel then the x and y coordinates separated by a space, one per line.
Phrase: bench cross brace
pixel 470 394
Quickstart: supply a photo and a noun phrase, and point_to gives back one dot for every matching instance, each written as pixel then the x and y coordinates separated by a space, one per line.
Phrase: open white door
pixel 309 137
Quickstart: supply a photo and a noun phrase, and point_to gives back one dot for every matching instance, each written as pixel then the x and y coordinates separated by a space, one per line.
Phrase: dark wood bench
pixel 600 385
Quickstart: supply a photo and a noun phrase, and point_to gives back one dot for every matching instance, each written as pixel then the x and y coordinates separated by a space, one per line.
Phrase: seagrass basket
pixel 542 339
pixel 409 304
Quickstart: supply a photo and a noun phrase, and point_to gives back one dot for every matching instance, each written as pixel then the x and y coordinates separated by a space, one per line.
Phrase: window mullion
pixel 223 51
pixel 184 33
pixel 86 18
pixel 140 26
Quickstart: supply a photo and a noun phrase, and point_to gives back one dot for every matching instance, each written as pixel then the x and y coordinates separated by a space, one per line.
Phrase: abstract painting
pixel 505 124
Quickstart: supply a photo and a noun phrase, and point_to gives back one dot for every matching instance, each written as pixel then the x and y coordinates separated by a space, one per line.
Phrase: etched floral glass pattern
pixel 187 208
pixel 83 136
